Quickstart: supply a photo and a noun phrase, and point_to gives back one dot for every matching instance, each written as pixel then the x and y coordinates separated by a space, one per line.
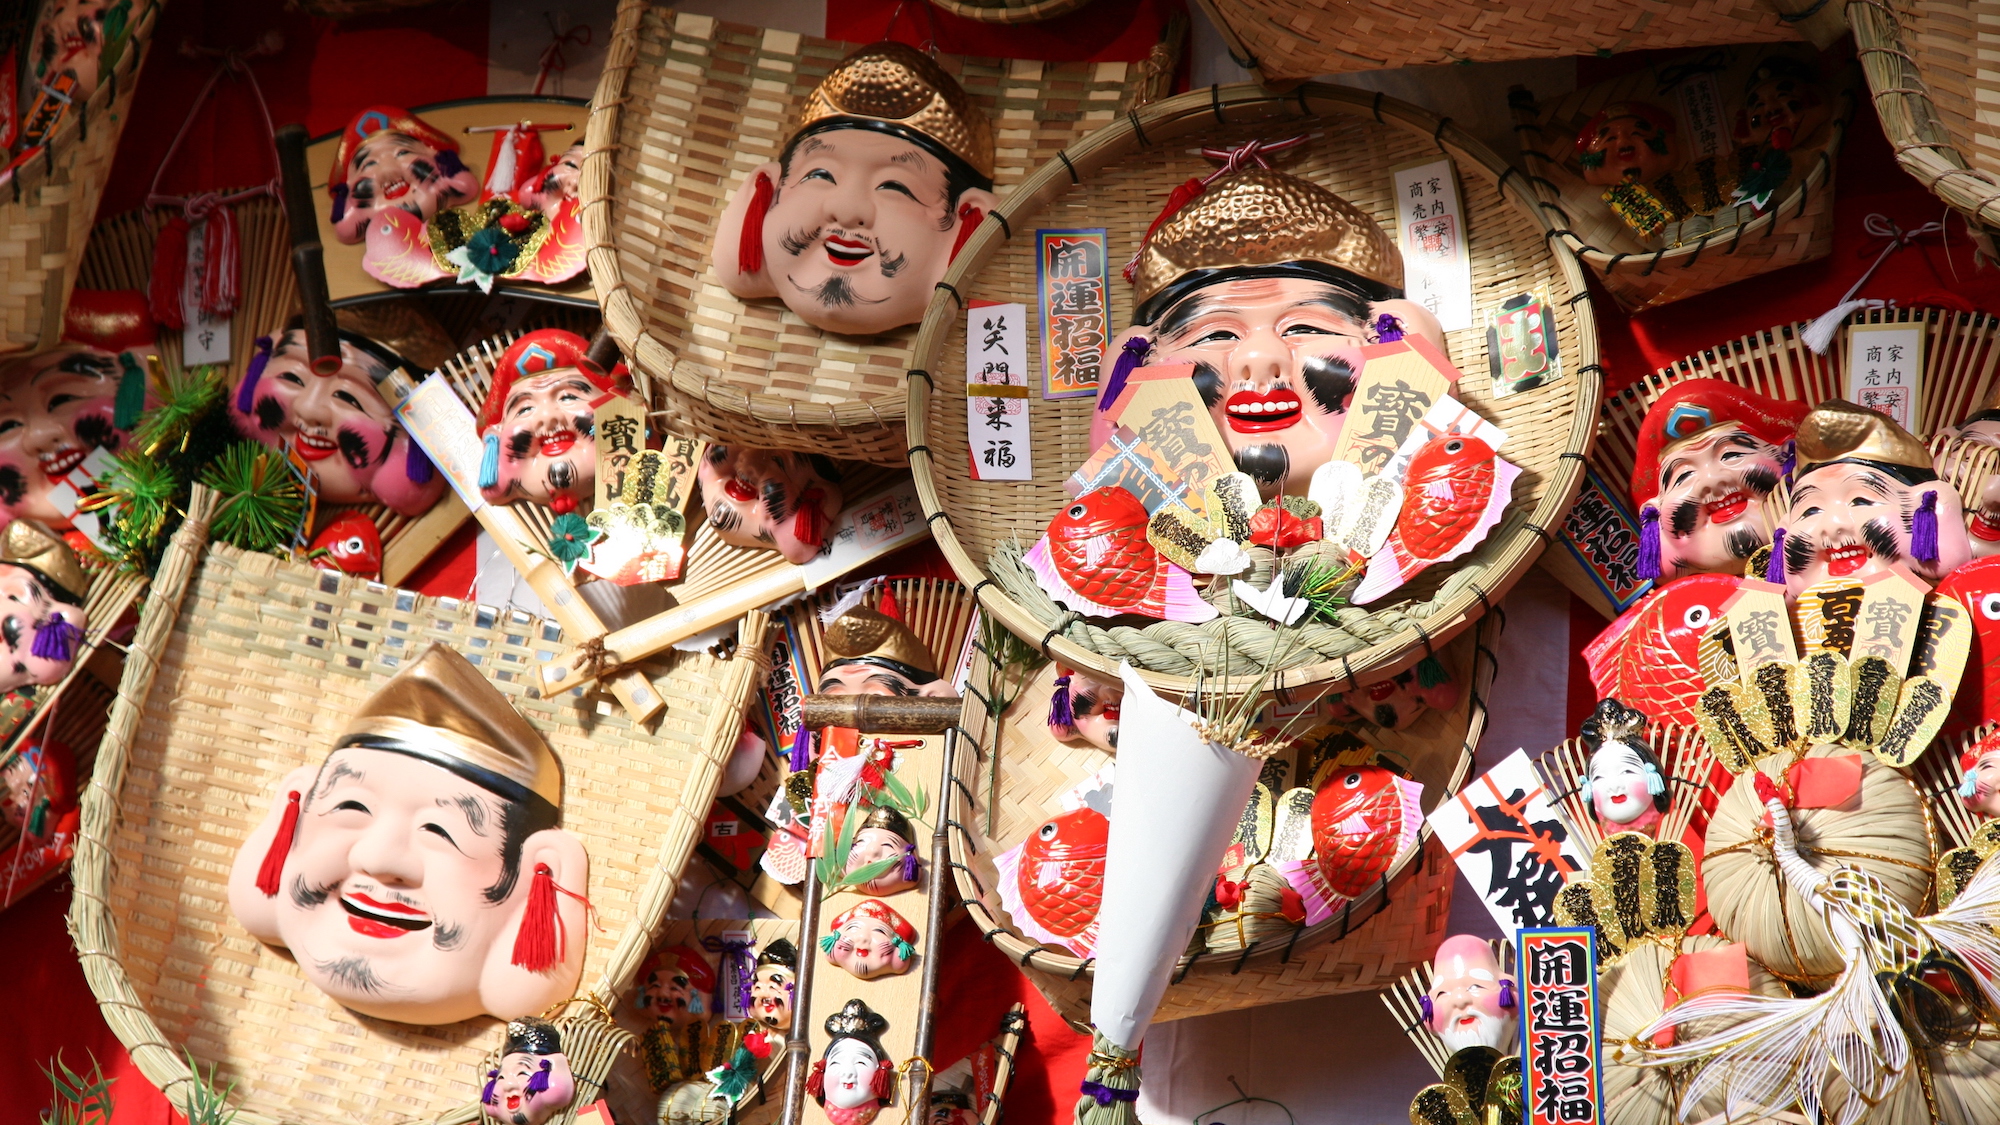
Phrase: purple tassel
pixel 801 750
pixel 1061 715
pixel 1129 358
pixel 909 863
pixel 1649 542
pixel 1791 458
pixel 486 1095
pixel 56 639
pixel 417 466
pixel 1774 571
pixel 449 163
pixel 1388 329
pixel 1924 530
pixel 340 200
pixel 538 1082
pixel 246 392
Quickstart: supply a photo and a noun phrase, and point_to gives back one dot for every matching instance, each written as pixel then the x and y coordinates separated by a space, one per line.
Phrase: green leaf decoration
pixel 262 503
pixel 77 1099
pixel 207 1104
pixel 570 537
pixel 186 396
pixel 861 876
pixel 833 865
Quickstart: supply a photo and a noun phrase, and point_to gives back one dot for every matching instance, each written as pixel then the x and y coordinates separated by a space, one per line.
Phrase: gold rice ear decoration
pixel 1503 1092
pixel 1432 1106
pixel 1614 886
pixel 1576 906
pixel 1727 731
pixel 1876 689
pixel 1254 830
pixel 1956 867
pixel 1774 686
pixel 1920 712
pixel 1829 696
pixel 1667 889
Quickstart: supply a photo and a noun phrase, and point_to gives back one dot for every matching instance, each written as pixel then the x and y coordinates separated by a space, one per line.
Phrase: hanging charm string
pixel 1819 336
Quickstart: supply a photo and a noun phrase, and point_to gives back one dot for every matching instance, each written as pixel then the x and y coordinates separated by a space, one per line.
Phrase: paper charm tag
pixel 683 457
pixel 1944 641
pixel 1759 625
pixel 1892 610
pixel 1701 108
pixel 1826 613
pixel 644 540
pixel 438 420
pixel 1165 448
pixel 1510 843
pixel 1075 310
pixel 996 391
pixel 1885 367
pixel 1454 490
pixel 1521 346
pixel 1397 385
pixel 735 973
pixel 204 339
pixel 620 429
pixel 1430 230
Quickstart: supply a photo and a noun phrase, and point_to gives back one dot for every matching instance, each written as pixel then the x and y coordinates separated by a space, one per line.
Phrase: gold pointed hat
pixel 868 634
pixel 901 90
pixel 439 708
pixel 1268 223
pixel 30 545
pixel 1838 430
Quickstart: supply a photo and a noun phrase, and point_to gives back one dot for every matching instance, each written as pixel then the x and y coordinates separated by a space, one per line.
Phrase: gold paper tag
pixel 1400 381
pixel 1892 611
pixel 1827 613
pixel 1759 624
pixel 682 456
pixel 620 428
pixel 1944 642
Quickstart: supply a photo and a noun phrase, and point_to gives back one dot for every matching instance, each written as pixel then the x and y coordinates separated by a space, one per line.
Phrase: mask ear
pixel 745 212
pixel 545 911
pixel 407 482
pixel 1415 319
pixel 256 910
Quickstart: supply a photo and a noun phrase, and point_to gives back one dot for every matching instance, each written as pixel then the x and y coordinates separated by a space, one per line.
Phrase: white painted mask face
pixel 1618 784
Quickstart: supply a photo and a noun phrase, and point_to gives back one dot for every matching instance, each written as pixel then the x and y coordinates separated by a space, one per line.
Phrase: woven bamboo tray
pixel 1116 179
pixel 1295 39
pixel 257 662
pixel 686 108
pixel 1366 945
pixel 1926 70
pixel 47 208
pixel 1798 227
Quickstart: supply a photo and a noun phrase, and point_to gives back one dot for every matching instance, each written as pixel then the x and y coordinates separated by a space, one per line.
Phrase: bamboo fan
pixel 1937 776
pixel 1691 772
pixel 939 611
pixel 1404 1001
pixel 244 667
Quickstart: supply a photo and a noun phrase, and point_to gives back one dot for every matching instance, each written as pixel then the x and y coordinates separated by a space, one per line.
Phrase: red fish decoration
pixel 1095 559
pixel 350 544
pixel 1648 657
pixel 1977 585
pixel 1362 819
pixel 1061 874
pixel 1454 491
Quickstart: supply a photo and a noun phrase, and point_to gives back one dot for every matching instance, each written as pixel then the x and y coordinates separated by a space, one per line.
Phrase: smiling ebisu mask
pixel 537 427
pixel 420 873
pixel 889 171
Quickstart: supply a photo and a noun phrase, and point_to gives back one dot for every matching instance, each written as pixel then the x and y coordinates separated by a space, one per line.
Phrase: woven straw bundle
pixel 686 109
pixel 256 673
pixel 1301 38
pixel 1797 226
pixel 1117 179
pixel 1887 833
pixel 47 208
pixel 1367 944
pixel 1633 993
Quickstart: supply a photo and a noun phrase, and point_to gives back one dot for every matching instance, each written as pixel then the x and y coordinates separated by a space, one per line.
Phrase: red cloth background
pixel 326 70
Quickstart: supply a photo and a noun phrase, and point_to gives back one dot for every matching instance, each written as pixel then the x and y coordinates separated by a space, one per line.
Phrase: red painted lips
pixel 1252 413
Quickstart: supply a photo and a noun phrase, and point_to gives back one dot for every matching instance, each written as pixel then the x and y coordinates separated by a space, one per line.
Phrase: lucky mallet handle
pixel 308 256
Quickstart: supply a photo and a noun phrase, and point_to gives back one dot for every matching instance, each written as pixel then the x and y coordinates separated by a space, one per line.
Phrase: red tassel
pixel 884 1084
pixel 750 247
pixel 816 1082
pixel 538 946
pixel 809 522
pixel 169 274
pixel 968 221
pixel 887 607
pixel 219 256
pixel 1180 197
pixel 273 869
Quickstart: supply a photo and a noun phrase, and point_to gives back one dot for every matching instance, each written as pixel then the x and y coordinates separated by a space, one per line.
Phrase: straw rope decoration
pixel 1633 995
pixel 1114 179
pixel 261 663
pixel 49 203
pixel 686 107
pixel 1366 945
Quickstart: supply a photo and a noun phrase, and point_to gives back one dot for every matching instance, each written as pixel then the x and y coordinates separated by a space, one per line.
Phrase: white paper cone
pixel 1173 812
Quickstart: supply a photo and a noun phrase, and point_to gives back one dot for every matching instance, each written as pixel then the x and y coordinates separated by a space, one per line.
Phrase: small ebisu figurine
pixel 777 500
pixel 873 653
pixel 1394 703
pixel 420 873
pixel 871 940
pixel 1627 143
pixel 773 986
pixel 389 159
pixel 1980 789
pixel 888 172
pixel 1471 1003
pixel 674 989
pixel 854 1077
pixel 537 427
pixel 532 1082
pixel 42 624
pixel 1709 452
pixel 885 837
pixel 38 801
pixel 1865 498
pixel 1623 784
pixel 1083 706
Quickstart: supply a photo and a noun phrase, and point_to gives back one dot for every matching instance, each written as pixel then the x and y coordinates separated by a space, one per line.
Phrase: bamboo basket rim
pixel 94 928
pixel 1684 256
pixel 1513 551
pixel 1923 146
pixel 1263 953
pixel 1010 13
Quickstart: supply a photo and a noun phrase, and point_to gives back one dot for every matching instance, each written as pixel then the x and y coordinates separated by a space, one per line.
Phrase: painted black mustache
pixel 1331 380
pixel 1800 549
pixel 1758 481
pixel 354 446
pixel 95 429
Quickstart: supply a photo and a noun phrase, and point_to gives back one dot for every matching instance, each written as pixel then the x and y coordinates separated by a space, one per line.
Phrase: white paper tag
pixel 996 391
pixel 440 422
pixel 1703 113
pixel 205 339
pixel 1430 229
pixel 1510 843
pixel 868 529
pixel 1885 366
pixel 733 990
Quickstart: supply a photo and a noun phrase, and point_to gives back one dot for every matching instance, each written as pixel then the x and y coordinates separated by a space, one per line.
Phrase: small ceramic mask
pixel 1783 106
pixel 532 1082
pixel 538 424
pixel 1981 788
pixel 885 836
pixel 1394 703
pixel 418 874
pixel 854 1077
pixel 68 39
pixel 675 985
pixel 1624 785
pixel 556 184
pixel 873 653
pixel 1709 452
pixel 889 170
pixel 871 940
pixel 1866 497
pixel 1627 143
pixel 1471 1003
pixel 785 502
pixel 42 590
pixel 774 984
pixel 391 159
pixel 1085 707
